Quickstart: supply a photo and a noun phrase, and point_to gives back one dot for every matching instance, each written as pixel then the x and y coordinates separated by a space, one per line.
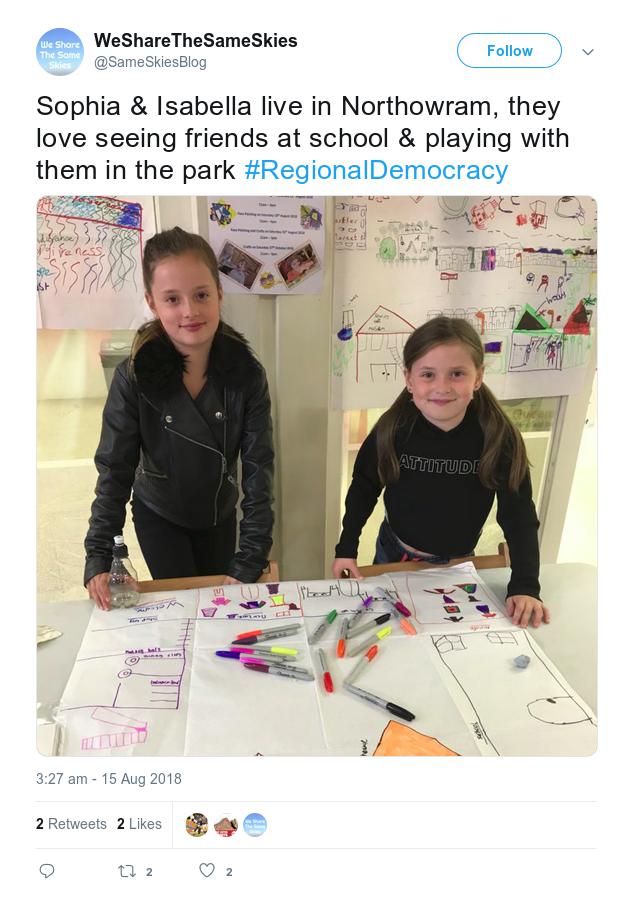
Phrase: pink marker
pixel 253 663
pixel 400 607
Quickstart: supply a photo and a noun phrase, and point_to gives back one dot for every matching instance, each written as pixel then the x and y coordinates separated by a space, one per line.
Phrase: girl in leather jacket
pixel 187 404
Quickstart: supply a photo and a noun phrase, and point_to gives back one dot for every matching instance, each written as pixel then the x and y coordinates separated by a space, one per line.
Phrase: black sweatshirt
pixel 439 505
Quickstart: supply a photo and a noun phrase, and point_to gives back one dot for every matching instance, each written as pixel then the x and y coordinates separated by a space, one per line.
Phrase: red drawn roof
pixel 395 324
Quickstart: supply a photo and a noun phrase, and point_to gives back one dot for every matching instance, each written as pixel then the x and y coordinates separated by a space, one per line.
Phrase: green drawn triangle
pixel 531 320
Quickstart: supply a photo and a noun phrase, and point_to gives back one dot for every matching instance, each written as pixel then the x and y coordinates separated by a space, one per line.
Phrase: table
pixel 570 640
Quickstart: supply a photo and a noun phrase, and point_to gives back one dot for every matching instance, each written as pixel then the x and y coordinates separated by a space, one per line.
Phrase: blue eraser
pixel 522 661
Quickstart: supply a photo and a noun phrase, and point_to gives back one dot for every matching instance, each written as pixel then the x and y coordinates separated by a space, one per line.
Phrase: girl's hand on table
pixel 98 589
pixel 523 608
pixel 342 564
pixel 230 581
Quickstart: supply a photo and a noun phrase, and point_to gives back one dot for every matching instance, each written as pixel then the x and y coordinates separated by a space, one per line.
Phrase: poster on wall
pixel 520 269
pixel 89 261
pixel 268 245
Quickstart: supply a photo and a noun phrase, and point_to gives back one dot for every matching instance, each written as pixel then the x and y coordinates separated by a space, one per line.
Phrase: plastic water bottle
pixel 122 577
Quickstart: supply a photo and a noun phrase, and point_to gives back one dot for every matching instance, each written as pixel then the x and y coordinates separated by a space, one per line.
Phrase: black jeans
pixel 172 551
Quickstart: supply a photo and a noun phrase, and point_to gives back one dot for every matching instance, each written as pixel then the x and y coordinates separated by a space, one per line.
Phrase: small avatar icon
pixel 226 827
pixel 255 824
pixel 196 824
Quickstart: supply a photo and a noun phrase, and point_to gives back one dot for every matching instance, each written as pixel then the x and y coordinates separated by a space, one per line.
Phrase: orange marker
pixel 392 605
pixel 407 627
pixel 369 655
pixel 343 632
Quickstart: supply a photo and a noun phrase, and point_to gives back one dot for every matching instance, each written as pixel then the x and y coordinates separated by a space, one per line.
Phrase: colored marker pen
pixel 377 621
pixel 341 639
pixel 360 609
pixel 289 667
pixel 373 639
pixel 370 654
pixel 321 627
pixel 251 652
pixel 278 670
pixel 404 623
pixel 262 635
pixel 396 710
pixel 328 683
pixel 400 607
pixel 289 653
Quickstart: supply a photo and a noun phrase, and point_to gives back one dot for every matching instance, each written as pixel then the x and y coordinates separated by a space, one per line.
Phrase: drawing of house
pixel 380 342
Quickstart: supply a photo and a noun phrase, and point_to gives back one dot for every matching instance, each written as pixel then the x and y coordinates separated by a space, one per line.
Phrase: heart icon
pixel 206 868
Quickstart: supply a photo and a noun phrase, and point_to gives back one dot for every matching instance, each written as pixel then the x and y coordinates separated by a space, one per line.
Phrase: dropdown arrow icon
pixel 588 52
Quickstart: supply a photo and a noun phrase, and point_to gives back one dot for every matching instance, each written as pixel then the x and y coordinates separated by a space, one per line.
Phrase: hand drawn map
pixel 89 261
pixel 520 269
pixel 147 680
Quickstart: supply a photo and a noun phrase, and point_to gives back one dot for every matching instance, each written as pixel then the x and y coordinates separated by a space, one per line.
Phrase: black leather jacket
pixel 155 440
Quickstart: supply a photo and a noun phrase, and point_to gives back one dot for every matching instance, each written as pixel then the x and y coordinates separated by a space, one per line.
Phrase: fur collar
pixel 159 366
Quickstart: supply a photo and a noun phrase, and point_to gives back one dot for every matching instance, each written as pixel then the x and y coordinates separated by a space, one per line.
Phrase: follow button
pixel 509 50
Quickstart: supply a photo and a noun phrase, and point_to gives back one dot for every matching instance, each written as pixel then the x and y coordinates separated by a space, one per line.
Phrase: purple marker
pixel 361 608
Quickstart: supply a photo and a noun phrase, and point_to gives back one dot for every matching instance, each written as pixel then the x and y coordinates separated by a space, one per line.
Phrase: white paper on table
pixel 453 599
pixel 510 710
pixel 245 608
pixel 402 672
pixel 128 690
pixel 148 680
pixel 236 711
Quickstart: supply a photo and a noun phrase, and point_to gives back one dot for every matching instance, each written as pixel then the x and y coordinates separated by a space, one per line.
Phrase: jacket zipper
pixel 212 450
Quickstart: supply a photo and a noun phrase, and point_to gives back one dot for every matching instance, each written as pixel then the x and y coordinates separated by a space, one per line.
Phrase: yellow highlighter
pixel 376 637
pixel 289 654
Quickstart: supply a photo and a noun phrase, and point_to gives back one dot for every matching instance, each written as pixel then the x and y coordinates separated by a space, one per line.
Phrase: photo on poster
pixel 238 265
pixel 299 265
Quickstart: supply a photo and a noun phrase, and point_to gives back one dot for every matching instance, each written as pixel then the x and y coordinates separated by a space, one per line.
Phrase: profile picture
pixel 255 824
pixel 196 824
pixel 226 827
pixel 238 265
pixel 300 264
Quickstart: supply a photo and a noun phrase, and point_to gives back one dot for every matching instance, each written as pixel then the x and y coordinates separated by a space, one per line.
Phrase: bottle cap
pixel 120 548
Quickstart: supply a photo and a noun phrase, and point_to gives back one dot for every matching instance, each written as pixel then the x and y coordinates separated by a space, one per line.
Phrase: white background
pixel 409 49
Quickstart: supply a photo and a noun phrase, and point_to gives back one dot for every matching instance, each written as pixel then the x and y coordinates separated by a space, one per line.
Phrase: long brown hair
pixel 170 244
pixel 502 441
